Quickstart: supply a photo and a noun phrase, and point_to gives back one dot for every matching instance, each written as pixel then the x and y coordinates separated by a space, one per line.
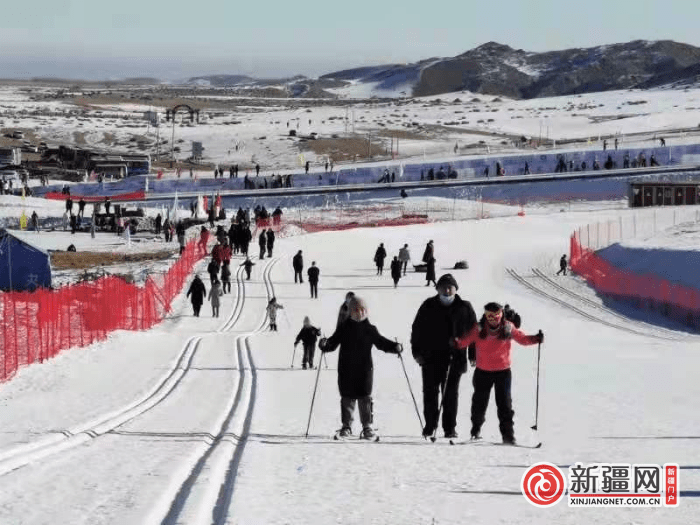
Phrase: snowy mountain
pixel 498 69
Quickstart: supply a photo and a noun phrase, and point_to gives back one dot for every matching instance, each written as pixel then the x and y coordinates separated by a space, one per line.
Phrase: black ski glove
pixel 322 344
pixel 398 348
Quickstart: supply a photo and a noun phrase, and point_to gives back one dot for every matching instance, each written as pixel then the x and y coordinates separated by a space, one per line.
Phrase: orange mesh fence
pixel 645 291
pixel 38 325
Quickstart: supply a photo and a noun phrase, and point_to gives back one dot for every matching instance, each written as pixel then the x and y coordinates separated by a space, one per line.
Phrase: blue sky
pixel 174 40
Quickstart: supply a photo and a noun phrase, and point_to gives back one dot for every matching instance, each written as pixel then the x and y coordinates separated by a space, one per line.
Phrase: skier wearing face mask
pixel 439 320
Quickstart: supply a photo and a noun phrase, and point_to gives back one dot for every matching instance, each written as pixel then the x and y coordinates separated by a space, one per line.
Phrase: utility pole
pixel 369 145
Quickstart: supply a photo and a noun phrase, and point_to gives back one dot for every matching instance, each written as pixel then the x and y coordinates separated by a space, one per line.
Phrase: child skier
pixel 214 295
pixel 492 337
pixel 356 336
pixel 272 308
pixel 308 335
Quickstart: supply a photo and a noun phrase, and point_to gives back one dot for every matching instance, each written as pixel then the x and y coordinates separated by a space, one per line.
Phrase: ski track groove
pixel 646 333
pixel 603 308
pixel 204 496
pixel 20 456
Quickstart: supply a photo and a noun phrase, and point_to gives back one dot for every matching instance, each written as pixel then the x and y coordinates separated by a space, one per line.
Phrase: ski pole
pixel 313 398
pixel 324 360
pixel 537 394
pixel 420 420
pixel 294 354
pixel 442 401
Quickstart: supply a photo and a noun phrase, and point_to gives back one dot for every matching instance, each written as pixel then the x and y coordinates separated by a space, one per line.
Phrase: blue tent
pixel 23 267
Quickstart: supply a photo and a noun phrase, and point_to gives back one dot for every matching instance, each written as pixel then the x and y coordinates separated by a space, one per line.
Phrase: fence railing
pixel 647 291
pixel 38 325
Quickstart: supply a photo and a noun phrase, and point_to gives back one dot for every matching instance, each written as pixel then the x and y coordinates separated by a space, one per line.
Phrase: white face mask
pixel 446 299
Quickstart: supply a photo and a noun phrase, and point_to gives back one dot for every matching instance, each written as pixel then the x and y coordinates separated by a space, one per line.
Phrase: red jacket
pixel 221 253
pixel 492 353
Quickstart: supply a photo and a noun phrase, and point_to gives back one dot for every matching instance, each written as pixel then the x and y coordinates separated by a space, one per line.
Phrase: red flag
pixel 160 174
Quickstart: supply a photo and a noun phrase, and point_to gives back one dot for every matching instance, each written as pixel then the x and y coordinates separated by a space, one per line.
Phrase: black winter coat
pixel 308 335
pixel 313 273
pixel 396 270
pixel 430 270
pixel 436 325
pixel 355 366
pixel 298 262
pixel 270 238
pixel 380 255
pixel 197 290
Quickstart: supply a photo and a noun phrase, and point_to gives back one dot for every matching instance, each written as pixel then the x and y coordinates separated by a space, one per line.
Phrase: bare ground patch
pixel 84 260
pixel 341 149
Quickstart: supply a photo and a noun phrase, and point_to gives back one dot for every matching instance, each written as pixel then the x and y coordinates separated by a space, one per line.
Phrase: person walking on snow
pixel 308 335
pixel 379 257
pixel 493 336
pixel 439 320
pixel 429 252
pixel 270 242
pixel 562 265
pixel 430 272
pixel 356 337
pixel 248 265
pixel 226 277
pixel 298 265
pixel 198 293
pixel 262 242
pixel 214 294
pixel 272 308
pixel 404 257
pixel 313 274
pixel 395 270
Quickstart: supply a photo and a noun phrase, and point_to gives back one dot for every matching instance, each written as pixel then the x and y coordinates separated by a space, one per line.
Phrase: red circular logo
pixel 543 484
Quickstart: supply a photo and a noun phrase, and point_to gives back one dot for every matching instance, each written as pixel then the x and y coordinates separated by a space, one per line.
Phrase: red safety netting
pixel 132 196
pixel 38 325
pixel 645 291
pixel 312 227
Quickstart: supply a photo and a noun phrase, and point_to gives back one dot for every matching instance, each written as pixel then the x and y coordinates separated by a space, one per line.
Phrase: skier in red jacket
pixel 493 336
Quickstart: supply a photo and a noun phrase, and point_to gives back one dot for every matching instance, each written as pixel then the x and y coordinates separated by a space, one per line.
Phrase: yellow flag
pixel 23 221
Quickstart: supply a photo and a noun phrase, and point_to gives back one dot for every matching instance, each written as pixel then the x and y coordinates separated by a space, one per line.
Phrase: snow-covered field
pixel 425 126
pixel 202 420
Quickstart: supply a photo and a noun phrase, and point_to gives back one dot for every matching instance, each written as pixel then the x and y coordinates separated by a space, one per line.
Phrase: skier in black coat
pixel 245 239
pixel 379 257
pixel 356 336
pixel 198 292
pixel 298 265
pixel 213 270
pixel 440 319
pixel 562 265
pixel 396 270
pixel 270 242
pixel 262 242
pixel 248 265
pixel 430 272
pixel 429 252
pixel 313 273
pixel 308 335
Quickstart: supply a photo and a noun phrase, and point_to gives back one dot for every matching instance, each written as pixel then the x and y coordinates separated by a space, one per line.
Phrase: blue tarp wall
pixel 22 267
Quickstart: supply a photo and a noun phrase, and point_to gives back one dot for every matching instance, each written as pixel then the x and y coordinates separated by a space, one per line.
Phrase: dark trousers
pixel 308 358
pixel 227 286
pixel 434 378
pixel 262 252
pixel 380 268
pixel 501 381
pixel 404 264
pixel 269 250
pixel 562 269
pixel 347 409
pixel 314 289
pixel 297 273
pixel 247 273
pixel 196 308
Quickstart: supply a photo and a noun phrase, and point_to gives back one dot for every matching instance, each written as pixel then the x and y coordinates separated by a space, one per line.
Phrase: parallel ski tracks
pixel 590 309
pixel 62 440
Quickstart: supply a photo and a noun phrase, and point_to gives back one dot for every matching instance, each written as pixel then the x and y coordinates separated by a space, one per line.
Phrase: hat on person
pixel 447 280
pixel 492 307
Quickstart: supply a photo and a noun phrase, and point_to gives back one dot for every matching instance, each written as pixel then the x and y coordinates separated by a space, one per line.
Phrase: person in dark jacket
pixel 395 270
pixel 430 272
pixel 270 242
pixel 562 265
pixel 226 277
pixel 298 265
pixel 439 320
pixel 198 293
pixel 262 242
pixel 213 270
pixel 313 274
pixel 248 265
pixel 356 336
pixel 159 223
pixel 245 238
pixel 379 257
pixel 344 310
pixel 308 335
pixel 429 252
